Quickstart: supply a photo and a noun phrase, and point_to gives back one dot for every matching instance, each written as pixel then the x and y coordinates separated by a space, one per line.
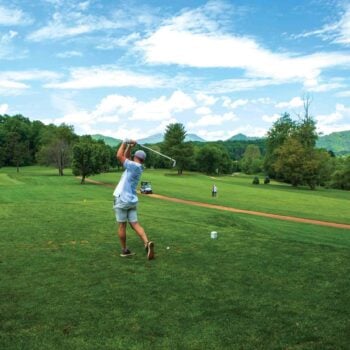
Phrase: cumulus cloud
pixel 106 76
pixel 194 39
pixel 163 108
pixel 335 121
pixel 117 110
pixel 213 119
pixel 270 118
pixel 205 99
pixel 203 110
pixel 233 104
pixel 293 103
pixel 4 108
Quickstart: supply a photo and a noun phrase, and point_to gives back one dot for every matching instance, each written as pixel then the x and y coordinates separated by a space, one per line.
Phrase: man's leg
pixel 149 245
pixel 122 234
pixel 140 231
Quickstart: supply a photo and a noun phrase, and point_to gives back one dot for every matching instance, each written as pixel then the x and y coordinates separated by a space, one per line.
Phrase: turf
pixel 263 284
pixel 239 192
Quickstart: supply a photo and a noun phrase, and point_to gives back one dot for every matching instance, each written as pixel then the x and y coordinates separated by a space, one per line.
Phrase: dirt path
pixel 234 210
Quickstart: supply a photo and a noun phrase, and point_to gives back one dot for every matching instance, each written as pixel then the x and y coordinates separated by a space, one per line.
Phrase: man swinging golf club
pixel 125 197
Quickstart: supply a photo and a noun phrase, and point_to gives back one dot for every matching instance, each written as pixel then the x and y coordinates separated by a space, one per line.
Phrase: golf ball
pixel 167 247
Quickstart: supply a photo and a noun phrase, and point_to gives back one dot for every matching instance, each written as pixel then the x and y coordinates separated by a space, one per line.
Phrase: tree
pixel 57 148
pixel 276 136
pixel 341 177
pixel 175 147
pixel 17 150
pixel 298 164
pixel 251 162
pixel 90 157
pixel 289 162
pixel 212 159
pixel 15 140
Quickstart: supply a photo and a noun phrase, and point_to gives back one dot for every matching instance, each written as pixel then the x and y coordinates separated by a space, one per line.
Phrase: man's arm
pixel 124 150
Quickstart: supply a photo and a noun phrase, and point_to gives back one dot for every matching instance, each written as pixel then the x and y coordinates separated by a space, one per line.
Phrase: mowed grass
pixel 239 192
pixel 263 284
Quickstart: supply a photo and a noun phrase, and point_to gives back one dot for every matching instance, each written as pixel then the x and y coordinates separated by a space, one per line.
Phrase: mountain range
pixel 338 142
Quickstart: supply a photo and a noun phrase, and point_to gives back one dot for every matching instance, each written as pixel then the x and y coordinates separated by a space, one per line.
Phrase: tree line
pixel 287 154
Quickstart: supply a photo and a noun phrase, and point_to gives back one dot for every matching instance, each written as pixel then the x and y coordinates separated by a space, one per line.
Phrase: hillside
pixel 110 141
pixel 338 142
pixel 242 137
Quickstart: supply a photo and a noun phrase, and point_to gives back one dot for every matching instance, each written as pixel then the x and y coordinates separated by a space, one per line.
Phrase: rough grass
pixel 263 284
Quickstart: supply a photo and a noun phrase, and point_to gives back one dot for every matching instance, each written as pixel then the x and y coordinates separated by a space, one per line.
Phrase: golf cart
pixel 146 187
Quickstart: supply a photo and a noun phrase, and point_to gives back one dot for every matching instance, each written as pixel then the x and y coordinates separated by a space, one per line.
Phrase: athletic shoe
pixel 150 250
pixel 126 252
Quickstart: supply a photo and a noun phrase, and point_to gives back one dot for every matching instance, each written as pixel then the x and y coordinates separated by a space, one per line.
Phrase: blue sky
pixel 129 68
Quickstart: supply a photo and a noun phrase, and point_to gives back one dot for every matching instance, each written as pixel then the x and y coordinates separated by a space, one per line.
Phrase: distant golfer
pixel 125 197
pixel 214 191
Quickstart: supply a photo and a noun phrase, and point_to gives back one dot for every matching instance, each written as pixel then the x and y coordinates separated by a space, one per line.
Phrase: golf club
pixel 163 155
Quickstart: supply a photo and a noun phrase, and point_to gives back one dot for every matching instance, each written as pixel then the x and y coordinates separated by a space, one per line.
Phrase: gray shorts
pixel 124 211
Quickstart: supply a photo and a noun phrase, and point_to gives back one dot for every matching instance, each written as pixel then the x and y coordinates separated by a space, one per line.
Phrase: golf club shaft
pixel 163 155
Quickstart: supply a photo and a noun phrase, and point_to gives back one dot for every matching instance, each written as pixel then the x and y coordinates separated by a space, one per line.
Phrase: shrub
pixel 267 180
pixel 256 181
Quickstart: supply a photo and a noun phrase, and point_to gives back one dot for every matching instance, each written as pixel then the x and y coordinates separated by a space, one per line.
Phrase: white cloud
pixel 117 109
pixel 249 130
pixel 270 118
pixel 205 99
pixel 323 87
pixel 162 107
pixel 68 54
pixel 232 85
pixel 212 135
pixel 295 102
pixel 201 42
pixel 26 75
pixel 112 43
pixel 337 32
pixel 335 121
pixel 337 115
pixel 111 76
pixel 233 104
pixel 10 16
pixel 6 45
pixel 343 94
pixel 74 23
pixel 13 82
pixel 213 119
pixel 203 110
pixel 4 108
pixel 8 84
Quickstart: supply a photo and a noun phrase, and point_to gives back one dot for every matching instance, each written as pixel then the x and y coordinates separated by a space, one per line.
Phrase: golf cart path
pixel 235 210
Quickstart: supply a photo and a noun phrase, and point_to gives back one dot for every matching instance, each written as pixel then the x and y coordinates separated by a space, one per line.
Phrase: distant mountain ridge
pixel 156 138
pixel 338 142
pixel 242 137
pixel 110 141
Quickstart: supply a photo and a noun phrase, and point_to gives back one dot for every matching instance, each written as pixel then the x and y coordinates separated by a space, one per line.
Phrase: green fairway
pixel 239 192
pixel 263 284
